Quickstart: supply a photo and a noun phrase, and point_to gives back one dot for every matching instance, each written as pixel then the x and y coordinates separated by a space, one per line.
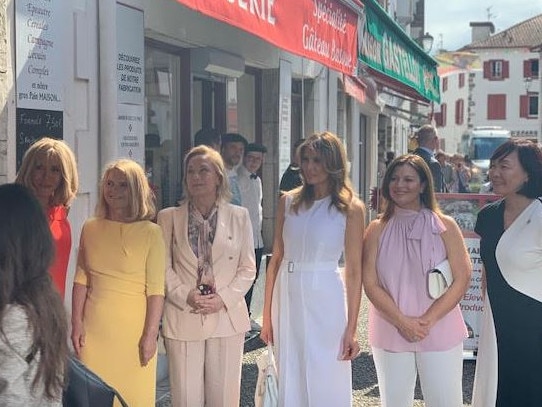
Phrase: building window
pixel 440 117
pixel 496 107
pixel 459 111
pixel 461 80
pixel 444 84
pixel 531 68
pixel 528 106
pixel 496 69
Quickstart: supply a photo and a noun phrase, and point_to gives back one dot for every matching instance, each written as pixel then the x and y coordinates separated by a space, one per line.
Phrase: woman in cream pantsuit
pixel 209 268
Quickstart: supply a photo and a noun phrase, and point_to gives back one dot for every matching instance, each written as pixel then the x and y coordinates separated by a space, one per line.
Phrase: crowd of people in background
pixel 185 274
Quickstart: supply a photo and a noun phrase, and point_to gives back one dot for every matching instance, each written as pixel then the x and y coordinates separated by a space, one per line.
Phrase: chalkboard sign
pixel 34 124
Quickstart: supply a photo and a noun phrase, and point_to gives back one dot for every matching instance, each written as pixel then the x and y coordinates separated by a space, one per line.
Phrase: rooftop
pixel 527 33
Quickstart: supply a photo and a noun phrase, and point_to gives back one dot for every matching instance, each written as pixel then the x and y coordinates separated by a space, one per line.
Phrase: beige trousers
pixel 205 373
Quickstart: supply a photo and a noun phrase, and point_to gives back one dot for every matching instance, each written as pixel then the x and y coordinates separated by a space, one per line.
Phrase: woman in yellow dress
pixel 118 292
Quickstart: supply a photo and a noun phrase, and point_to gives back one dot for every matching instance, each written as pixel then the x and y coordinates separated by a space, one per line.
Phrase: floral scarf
pixel 201 234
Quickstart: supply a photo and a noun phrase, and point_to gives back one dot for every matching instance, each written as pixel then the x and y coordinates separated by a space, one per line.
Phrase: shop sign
pixel 325 31
pixel 40 33
pixel 386 48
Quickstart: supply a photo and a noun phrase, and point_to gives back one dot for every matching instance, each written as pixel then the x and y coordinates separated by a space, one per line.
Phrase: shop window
pixel 162 135
pixel 209 103
pixel 496 107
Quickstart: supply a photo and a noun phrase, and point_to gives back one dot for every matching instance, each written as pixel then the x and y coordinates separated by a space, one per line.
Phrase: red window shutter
pixel 461 111
pixel 487 69
pixel 438 119
pixel 444 84
pixel 496 107
pixel 524 106
pixel 461 80
pixel 457 112
pixel 443 110
pixel 527 69
pixel 505 69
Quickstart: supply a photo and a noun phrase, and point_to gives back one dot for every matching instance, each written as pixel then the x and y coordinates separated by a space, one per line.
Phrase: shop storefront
pixel 405 77
pixel 138 78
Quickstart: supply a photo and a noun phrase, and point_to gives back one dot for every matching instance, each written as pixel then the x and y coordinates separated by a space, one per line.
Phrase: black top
pixel 291 178
pixel 517 318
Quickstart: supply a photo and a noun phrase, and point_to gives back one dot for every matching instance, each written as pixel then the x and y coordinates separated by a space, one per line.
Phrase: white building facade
pixel 138 78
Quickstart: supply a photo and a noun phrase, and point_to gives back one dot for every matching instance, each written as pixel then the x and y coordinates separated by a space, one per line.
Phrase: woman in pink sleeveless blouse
pixel 410 333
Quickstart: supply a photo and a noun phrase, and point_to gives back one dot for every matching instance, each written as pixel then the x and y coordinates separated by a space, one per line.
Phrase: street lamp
pixel 427 42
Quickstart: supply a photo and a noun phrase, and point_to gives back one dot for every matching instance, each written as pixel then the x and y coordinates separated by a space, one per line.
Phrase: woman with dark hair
pixel 311 308
pixel 509 363
pixel 33 326
pixel 118 290
pixel 411 333
pixel 49 170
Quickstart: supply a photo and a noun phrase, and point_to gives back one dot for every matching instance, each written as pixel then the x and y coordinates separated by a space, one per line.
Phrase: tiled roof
pixel 528 34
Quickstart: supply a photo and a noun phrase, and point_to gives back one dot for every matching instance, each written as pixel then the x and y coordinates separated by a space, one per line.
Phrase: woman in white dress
pixel 311 308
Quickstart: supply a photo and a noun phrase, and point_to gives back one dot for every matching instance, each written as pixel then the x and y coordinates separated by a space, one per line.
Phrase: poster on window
pixel 464 209
pixel 130 126
pixel 130 55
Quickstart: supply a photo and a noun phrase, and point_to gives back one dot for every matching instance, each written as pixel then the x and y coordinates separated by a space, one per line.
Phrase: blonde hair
pixel 333 156
pixel 52 149
pixel 142 205
pixel 223 190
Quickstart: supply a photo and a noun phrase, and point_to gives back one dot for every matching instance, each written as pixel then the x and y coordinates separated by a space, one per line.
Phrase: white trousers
pixel 441 375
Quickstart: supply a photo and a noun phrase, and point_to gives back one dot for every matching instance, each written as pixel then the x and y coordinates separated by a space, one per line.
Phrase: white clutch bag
pixel 439 279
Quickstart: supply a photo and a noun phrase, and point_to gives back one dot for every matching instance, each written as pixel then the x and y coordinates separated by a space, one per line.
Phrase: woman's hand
pixel 413 329
pixel 192 299
pixel 147 348
pixel 350 347
pixel 266 333
pixel 208 304
pixel 78 337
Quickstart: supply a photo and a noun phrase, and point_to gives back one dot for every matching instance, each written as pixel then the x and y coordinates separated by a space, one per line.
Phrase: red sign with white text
pixel 325 31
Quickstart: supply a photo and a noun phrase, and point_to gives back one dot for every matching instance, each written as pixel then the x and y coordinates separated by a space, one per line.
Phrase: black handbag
pixel 86 389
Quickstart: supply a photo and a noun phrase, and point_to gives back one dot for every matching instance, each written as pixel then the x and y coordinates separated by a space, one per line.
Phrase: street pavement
pixel 365 386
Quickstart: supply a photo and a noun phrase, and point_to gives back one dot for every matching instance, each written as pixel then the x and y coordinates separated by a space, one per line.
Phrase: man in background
pixel 250 186
pixel 447 169
pixel 232 151
pixel 291 178
pixel 208 137
pixel 427 144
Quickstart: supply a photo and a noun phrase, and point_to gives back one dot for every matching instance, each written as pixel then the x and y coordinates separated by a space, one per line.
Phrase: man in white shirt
pixel 250 186
pixel 232 151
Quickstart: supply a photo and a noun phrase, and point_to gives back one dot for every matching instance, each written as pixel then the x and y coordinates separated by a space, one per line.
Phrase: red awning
pixel 354 87
pixel 323 31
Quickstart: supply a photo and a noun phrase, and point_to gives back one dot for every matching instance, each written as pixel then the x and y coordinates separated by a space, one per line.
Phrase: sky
pixel 448 20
